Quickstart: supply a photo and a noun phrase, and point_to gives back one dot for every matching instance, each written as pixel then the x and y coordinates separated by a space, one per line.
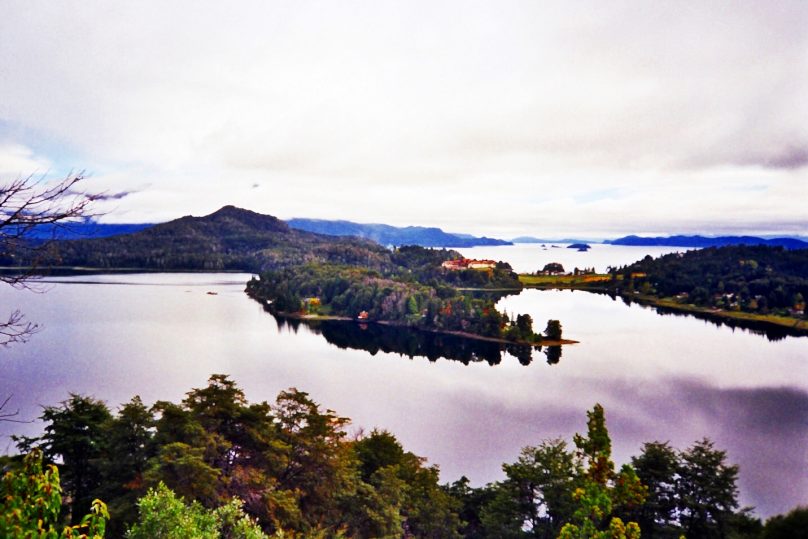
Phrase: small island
pixel 579 246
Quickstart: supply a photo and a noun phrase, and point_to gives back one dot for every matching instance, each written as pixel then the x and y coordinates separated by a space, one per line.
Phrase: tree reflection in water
pixel 411 342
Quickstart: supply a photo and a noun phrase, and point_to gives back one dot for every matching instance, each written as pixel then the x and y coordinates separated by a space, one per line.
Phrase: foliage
pixel 707 492
pixel 75 434
pixel 416 293
pixel 162 514
pixel 289 463
pixel 755 279
pixel 216 465
pixel 552 268
pixel 792 525
pixel 602 493
pixel 537 496
pixel 31 500
pixel 553 330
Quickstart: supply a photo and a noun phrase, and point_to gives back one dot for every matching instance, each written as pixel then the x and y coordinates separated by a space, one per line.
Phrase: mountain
pixel 228 239
pixel 391 235
pixel 703 241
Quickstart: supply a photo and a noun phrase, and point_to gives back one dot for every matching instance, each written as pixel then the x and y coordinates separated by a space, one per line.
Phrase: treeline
pixel 215 465
pixel 415 292
pixel 755 279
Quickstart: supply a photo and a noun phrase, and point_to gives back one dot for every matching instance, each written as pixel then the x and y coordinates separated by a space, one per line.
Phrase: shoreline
pixel 776 321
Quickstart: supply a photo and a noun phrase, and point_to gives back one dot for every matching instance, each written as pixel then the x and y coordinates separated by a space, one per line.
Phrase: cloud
pixel 17 160
pixel 479 103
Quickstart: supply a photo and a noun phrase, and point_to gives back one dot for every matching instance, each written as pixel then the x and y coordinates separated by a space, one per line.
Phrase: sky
pixel 552 119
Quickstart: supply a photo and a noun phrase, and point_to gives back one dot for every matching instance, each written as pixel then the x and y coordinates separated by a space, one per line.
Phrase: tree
pixel 657 468
pixel 536 498
pixel 163 514
pixel 553 330
pixel 603 492
pixel 75 434
pixel 31 502
pixel 792 525
pixel 707 491
pixel 553 268
pixel 32 212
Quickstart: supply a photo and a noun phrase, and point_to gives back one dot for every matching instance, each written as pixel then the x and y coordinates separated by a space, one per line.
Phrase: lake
pixel 659 377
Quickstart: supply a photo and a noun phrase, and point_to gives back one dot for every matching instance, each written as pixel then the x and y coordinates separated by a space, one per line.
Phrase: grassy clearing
pixel 567 281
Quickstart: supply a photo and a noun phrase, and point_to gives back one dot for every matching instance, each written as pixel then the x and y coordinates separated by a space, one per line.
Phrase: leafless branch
pixel 9 416
pixel 28 206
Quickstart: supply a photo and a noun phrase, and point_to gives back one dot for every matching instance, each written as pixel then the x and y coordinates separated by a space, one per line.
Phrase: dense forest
pixel 754 279
pixel 704 241
pixel 414 291
pixel 215 465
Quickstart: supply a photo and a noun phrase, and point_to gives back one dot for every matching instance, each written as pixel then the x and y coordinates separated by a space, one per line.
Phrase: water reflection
pixel 375 338
pixel 771 332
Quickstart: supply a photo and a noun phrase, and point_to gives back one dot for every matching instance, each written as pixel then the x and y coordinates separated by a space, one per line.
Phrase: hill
pixel 228 239
pixel 704 241
pixel 391 235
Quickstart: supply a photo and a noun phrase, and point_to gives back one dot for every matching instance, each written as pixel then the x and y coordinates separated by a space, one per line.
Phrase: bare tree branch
pixel 33 212
pixel 9 416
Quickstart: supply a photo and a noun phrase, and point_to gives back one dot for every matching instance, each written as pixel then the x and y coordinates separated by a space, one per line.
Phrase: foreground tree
pixel 31 503
pixel 657 467
pixel 707 491
pixel 603 493
pixel 33 211
pixel 536 498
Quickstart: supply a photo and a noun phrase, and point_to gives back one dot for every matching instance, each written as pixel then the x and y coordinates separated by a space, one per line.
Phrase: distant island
pixel 579 246
pixel 392 235
pixel 705 241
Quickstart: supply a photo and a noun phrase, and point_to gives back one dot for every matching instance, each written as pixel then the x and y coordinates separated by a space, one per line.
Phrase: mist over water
pixel 659 377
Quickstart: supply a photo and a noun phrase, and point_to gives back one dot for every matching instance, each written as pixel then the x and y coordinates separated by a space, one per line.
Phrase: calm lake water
pixel 659 377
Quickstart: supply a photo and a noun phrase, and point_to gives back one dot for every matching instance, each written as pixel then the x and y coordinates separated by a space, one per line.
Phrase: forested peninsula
pixel 217 466
pixel 746 283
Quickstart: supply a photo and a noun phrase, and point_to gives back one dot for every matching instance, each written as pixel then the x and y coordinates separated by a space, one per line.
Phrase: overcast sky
pixel 500 118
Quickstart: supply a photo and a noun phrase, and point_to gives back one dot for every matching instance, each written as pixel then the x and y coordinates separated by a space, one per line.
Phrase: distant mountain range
pixel 703 241
pixel 531 239
pixel 392 235
pixel 84 230
pixel 411 235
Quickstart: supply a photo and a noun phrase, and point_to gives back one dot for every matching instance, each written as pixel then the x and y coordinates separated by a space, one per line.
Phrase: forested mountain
pixel 702 241
pixel 228 239
pixel 391 235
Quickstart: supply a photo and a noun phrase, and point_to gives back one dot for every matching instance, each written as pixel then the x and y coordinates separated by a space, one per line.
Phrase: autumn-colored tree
pixel 31 503
pixel 602 490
